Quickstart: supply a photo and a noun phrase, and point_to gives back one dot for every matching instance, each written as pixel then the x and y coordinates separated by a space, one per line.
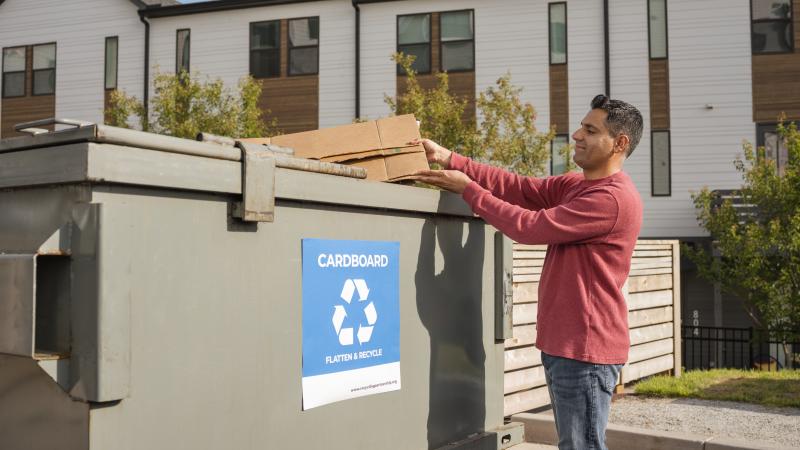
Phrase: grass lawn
pixel 762 388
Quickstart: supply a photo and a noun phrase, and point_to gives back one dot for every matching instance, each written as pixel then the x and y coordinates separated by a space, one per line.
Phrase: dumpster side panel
pixel 35 413
pixel 216 337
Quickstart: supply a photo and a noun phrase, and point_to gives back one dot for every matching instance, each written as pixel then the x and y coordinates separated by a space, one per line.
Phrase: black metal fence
pixel 740 348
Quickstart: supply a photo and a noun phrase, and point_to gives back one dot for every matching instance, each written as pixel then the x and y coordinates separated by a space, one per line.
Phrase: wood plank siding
pixel 659 94
pixel 776 80
pixel 652 293
pixel 30 107
pixel 559 98
pixel 462 83
pixel 292 100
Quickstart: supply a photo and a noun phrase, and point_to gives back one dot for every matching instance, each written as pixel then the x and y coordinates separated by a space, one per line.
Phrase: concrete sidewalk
pixel 541 429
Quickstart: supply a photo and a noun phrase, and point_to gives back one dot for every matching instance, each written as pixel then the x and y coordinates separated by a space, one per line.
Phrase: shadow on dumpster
pixel 449 305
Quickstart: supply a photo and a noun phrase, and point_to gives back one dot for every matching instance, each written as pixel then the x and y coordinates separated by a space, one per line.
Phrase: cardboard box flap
pixel 397 131
pixel 394 167
pixel 402 166
pixel 371 153
pixel 355 138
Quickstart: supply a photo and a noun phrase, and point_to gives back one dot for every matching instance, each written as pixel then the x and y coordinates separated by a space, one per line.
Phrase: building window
pixel 182 50
pixel 771 27
pixel 44 69
pixel 414 38
pixel 657 27
pixel 265 49
pixel 660 164
pixel 775 146
pixel 559 152
pixel 304 46
pixel 457 41
pixel 112 51
pixel 14 61
pixel 558 33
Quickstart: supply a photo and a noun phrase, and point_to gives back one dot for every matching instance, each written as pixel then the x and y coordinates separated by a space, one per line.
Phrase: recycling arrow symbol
pixel 364 333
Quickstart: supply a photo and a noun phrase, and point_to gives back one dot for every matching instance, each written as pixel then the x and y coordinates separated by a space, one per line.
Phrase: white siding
pixel 220 49
pixel 510 36
pixel 630 81
pixel 79 30
pixel 585 63
pixel 709 63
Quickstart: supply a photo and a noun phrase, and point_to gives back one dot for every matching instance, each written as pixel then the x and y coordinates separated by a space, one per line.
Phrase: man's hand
pixel 450 180
pixel 434 152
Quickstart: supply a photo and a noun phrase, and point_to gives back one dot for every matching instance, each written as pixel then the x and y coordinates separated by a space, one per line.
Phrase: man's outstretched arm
pixel 529 192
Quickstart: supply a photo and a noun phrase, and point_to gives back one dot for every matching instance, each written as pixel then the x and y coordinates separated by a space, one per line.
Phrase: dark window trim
pixel 652 164
pixel 290 47
pixel 33 71
pixel 761 128
pixel 666 33
pixel 790 21
pixel 551 152
pixel 278 48
pixel 105 65
pixel 441 42
pixel 549 34
pixel 177 56
pixel 23 71
pixel 430 41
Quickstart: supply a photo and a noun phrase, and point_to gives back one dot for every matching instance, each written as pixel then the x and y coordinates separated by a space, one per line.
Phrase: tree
pixel 756 248
pixel 183 106
pixel 506 137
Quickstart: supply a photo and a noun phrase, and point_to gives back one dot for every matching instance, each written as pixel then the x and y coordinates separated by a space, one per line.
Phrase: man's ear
pixel 621 144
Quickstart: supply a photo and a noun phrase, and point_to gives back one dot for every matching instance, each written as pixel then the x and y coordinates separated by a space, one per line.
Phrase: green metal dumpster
pixel 154 292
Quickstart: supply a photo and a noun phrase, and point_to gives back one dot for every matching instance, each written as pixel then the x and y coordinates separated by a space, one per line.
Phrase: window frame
pixel 653 162
pixel 441 42
pixel 790 21
pixel 666 33
pixel 761 129
pixel 177 56
pixel 552 143
pixel 24 73
pixel 105 65
pixel 430 41
pixel 276 49
pixel 33 71
pixel 290 47
pixel 550 33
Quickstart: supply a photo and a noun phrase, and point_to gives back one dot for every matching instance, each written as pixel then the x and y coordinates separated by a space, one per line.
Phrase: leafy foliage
pixel 184 105
pixel 506 137
pixel 758 251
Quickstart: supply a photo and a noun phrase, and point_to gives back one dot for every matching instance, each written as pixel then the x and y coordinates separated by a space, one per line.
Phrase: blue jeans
pixel 580 394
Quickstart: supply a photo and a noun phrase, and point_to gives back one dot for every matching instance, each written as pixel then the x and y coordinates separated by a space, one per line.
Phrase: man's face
pixel 593 144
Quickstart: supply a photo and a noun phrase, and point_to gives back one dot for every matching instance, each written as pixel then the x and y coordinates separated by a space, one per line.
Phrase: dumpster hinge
pixel 258 186
pixel 504 287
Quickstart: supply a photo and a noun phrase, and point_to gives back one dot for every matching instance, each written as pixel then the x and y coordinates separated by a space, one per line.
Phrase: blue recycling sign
pixel 351 319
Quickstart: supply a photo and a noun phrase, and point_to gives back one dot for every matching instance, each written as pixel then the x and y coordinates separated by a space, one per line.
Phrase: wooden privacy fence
pixel 653 296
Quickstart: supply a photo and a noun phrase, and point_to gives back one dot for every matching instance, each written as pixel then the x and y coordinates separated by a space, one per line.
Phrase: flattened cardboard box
pixel 380 146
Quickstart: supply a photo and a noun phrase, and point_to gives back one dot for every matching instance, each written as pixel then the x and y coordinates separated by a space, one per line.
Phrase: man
pixel 590 222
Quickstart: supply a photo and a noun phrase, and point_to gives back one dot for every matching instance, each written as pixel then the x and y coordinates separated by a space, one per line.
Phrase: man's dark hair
pixel 623 118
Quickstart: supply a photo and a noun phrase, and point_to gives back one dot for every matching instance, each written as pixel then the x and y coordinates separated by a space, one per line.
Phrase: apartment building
pixel 706 75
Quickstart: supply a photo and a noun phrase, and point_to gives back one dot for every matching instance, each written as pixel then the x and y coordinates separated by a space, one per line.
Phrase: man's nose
pixel 577 135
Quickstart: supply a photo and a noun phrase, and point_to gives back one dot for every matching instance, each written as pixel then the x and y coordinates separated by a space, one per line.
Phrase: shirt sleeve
pixel 590 217
pixel 528 192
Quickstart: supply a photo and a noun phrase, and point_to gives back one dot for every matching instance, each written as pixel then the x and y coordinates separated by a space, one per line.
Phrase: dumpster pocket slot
pixel 52 323
pixel 34 305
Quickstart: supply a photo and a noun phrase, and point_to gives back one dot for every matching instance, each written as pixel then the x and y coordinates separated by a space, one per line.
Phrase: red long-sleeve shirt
pixel 590 227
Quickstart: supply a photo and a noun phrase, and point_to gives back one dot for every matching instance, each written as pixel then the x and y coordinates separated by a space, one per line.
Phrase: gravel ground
pixel 743 421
